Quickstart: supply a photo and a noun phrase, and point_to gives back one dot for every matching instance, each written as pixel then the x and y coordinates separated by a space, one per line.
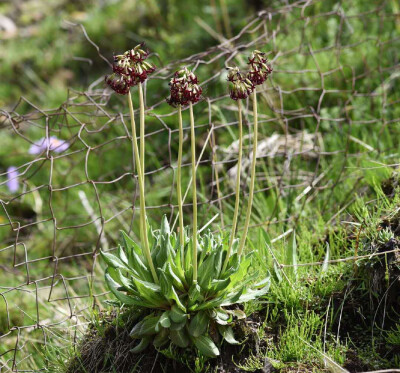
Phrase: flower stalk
pixel 185 91
pixel 179 183
pixel 194 191
pixel 237 192
pixel 142 125
pixel 252 173
pixel 258 73
pixel 143 228
pixel 240 88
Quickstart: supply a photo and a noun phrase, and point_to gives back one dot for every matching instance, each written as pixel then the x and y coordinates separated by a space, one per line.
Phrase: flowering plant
pixel 184 282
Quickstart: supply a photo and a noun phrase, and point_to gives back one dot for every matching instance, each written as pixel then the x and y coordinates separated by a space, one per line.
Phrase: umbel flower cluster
pixel 184 88
pixel 129 69
pixel 260 69
pixel 241 85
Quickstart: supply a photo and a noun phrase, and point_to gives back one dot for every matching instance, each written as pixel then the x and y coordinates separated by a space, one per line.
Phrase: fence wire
pixel 52 231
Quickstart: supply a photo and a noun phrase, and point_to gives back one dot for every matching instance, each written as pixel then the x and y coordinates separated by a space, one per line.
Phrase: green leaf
pixel 175 297
pixel 146 286
pixel 161 338
pixel 206 271
pixel 325 265
pixel 239 314
pixel 179 337
pixel 165 230
pixel 116 274
pixel 291 257
pixel 198 324
pixel 129 244
pixel 240 273
pixel 219 285
pixel 264 282
pixel 168 291
pixel 221 317
pixel 177 266
pixel 138 265
pixel 150 292
pixel 206 346
pixel 145 327
pixel 122 255
pixel 165 321
pixel 144 342
pixel 195 294
pixel 177 315
pixel 188 259
pixel 227 333
pixel 232 298
pixel 177 325
pixel 165 252
pixel 253 294
pixel 176 280
pixel 165 284
pixel 113 261
pixel 218 261
pixel 125 299
pixel 267 238
pixel 277 273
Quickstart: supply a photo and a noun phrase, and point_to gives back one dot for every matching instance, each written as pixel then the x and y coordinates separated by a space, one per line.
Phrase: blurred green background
pixel 43 50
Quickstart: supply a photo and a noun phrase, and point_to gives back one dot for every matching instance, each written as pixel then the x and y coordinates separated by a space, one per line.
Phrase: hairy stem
pixel 179 183
pixel 253 174
pixel 237 198
pixel 193 148
pixel 143 229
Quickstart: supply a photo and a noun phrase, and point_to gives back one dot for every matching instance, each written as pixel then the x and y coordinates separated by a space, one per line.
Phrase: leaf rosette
pixel 180 311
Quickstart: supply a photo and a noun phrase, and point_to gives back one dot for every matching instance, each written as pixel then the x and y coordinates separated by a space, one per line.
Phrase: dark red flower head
pixel 118 83
pixel 184 88
pixel 260 69
pixel 131 67
pixel 239 86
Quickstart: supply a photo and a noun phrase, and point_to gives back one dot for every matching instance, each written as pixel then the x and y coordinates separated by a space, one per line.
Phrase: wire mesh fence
pixel 73 184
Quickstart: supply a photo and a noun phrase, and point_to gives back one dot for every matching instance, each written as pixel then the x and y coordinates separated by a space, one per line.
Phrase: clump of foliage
pixel 182 311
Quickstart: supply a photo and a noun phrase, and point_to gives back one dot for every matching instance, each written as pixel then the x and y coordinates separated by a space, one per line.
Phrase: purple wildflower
pixel 53 143
pixel 12 179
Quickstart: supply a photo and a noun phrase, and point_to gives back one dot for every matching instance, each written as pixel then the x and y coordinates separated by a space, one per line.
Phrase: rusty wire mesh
pixel 48 255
